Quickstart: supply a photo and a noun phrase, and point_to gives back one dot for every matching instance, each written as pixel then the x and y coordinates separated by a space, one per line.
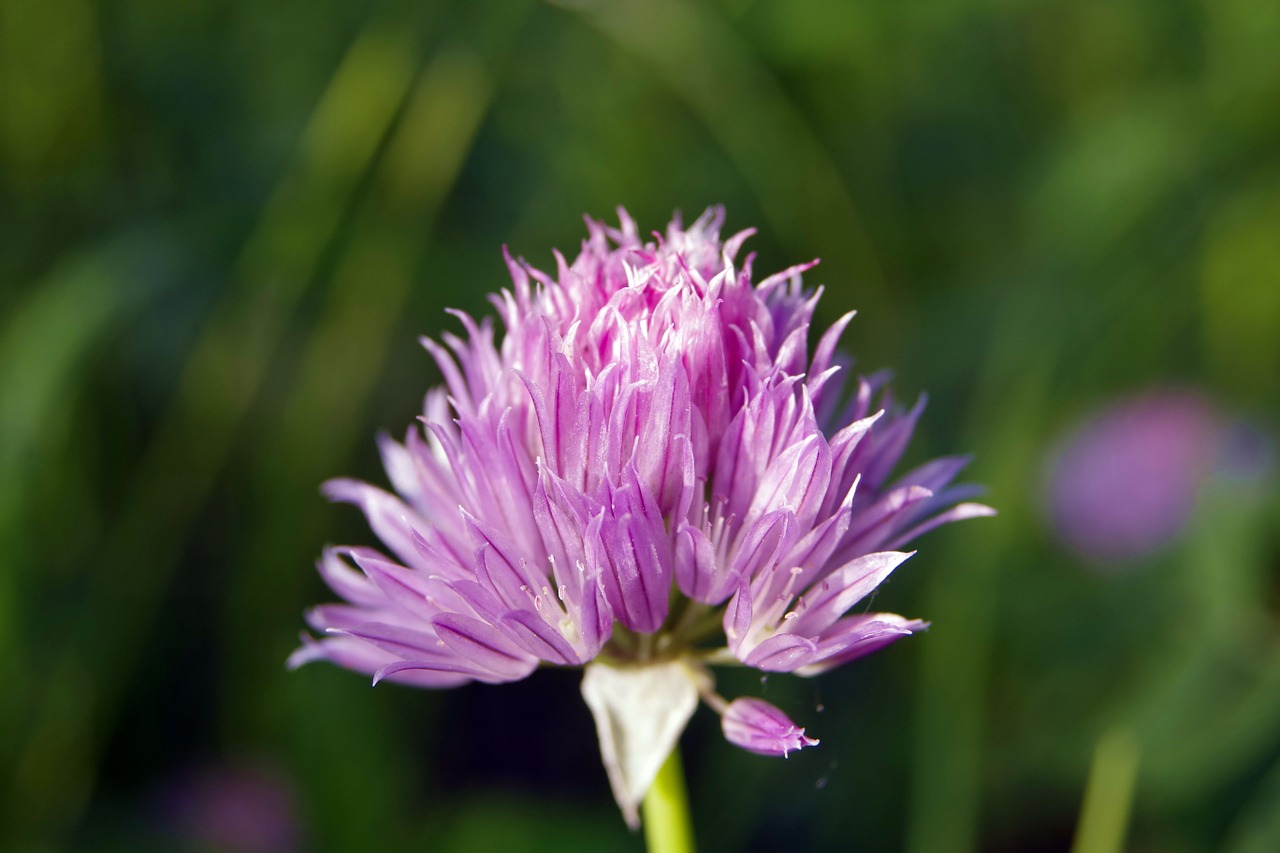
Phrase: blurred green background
pixel 224 224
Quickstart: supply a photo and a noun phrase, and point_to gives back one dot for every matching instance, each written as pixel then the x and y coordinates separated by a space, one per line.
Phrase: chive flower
pixel 1125 482
pixel 646 473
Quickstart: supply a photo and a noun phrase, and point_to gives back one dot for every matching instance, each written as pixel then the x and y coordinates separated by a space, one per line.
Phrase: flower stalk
pixel 667 828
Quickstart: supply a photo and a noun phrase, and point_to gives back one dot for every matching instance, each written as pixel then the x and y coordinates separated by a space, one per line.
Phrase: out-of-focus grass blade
pixel 1240 290
pixel 50 74
pixel 1210 707
pixel 800 190
pixel 1104 818
pixel 344 353
pixel 225 370
pixel 44 347
pixel 362 782
pixel 321 419
pixel 1115 173
pixel 1205 720
pixel 1257 827
pixel 218 383
pixel 951 714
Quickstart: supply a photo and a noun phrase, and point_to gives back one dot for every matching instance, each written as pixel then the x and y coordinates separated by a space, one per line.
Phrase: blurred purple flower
pixel 650 418
pixel 1125 482
pixel 237 808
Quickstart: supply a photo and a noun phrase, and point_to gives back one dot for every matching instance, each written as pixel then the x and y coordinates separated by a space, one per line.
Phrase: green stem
pixel 1108 794
pixel 667 828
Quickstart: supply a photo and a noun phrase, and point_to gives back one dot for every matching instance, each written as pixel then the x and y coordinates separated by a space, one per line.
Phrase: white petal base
pixel 640 712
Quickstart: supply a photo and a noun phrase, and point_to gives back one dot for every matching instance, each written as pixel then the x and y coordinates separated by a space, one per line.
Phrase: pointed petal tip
pixel 341 490
pixel 309 652
pixel 977 510
pixel 384 672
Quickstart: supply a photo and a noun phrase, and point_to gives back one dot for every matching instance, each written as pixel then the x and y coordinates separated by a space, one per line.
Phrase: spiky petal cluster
pixel 650 418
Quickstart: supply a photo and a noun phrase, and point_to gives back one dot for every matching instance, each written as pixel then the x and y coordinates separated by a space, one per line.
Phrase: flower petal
pixel 484 646
pixel 391 519
pixel 782 653
pixel 856 636
pixel 829 599
pixel 630 545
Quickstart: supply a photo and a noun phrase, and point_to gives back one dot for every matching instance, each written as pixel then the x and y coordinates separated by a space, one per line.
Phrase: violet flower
pixel 648 472
pixel 233 807
pixel 1125 482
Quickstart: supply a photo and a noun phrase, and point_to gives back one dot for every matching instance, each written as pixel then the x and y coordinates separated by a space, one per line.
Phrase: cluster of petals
pixel 649 418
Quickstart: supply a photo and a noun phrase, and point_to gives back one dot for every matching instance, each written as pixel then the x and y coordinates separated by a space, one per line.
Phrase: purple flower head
pixel 1125 482
pixel 647 472
pixel 234 807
